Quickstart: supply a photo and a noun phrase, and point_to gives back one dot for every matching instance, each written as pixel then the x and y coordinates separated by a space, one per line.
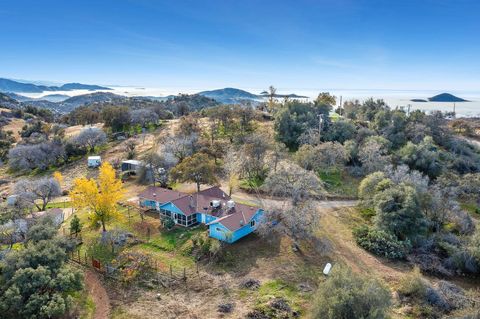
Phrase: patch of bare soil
pixel 15 126
pixel 74 130
pixel 99 295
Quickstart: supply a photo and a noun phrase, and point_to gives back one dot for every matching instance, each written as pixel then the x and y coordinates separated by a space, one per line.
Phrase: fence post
pixel 171 271
pixel 86 260
pixel 184 274
pixel 79 260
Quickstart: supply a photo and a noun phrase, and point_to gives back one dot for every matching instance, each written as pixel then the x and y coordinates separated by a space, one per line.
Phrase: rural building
pixel 226 220
pixel 131 166
pixel 94 161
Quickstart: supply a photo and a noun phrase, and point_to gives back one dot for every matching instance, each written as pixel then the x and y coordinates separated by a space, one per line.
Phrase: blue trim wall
pixel 220 232
pixel 172 208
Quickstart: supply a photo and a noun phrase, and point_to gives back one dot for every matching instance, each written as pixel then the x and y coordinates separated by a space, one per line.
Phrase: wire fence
pixel 109 270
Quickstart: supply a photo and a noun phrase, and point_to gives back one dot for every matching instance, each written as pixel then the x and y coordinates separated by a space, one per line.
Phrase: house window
pixel 252 223
pixel 182 219
pixel 191 220
pixel 218 229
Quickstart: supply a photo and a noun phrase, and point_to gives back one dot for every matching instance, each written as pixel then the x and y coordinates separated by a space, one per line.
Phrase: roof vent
pixel 215 203
pixel 231 204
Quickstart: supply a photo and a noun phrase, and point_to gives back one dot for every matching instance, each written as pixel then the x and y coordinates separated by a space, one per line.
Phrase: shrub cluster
pixel 380 242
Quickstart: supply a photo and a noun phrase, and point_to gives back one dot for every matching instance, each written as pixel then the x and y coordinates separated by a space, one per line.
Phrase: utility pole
pixel 340 110
pixel 320 126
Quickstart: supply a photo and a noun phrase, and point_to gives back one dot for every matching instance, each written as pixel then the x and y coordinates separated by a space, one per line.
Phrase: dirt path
pixel 99 295
pixel 355 257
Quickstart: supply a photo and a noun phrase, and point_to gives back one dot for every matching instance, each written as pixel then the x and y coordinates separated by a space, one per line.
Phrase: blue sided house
pixel 226 220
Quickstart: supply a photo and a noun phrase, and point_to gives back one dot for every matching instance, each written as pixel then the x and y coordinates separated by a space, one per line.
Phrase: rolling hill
pixel 230 95
pixel 446 97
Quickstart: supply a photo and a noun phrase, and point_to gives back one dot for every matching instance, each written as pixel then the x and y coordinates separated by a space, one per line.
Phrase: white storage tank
pixel 327 269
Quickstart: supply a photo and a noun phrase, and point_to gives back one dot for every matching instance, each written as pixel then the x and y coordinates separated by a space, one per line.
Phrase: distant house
pixel 131 166
pixel 94 161
pixel 227 221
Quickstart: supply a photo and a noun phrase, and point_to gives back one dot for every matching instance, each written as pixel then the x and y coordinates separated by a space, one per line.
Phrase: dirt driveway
pixel 99 295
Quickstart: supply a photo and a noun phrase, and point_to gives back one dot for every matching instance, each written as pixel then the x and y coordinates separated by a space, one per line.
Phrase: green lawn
pixel 340 183
pixel 166 247
pixel 59 205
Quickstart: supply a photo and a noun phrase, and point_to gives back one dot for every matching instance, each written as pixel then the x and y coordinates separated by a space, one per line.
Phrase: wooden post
pixel 171 271
pixel 184 274
pixel 86 260
pixel 197 266
pixel 79 260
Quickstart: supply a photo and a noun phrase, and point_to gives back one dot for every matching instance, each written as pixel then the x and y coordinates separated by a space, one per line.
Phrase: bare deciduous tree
pixel 29 157
pixel 143 117
pixel 295 183
pixel 232 165
pixel 373 156
pixel 179 146
pixel 44 189
pixel 296 215
pixel 326 156
pixel 90 138
pixel 297 222
pixel 130 146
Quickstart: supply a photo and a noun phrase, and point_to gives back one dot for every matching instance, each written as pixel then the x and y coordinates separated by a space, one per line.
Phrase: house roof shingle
pixel 200 202
pixel 159 194
pixel 237 217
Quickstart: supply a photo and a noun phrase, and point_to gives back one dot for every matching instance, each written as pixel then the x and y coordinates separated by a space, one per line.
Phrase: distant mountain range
pixel 50 97
pixel 61 103
pixel 7 85
pixel 234 96
pixel 12 100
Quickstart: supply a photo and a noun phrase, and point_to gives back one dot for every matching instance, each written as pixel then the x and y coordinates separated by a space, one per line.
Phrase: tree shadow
pixel 240 257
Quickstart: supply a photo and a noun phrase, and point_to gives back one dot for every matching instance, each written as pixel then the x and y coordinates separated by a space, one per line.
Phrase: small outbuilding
pixel 132 166
pixel 94 161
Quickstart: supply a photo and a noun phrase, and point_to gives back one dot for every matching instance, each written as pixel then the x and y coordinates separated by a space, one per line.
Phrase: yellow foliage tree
pixel 58 177
pixel 101 197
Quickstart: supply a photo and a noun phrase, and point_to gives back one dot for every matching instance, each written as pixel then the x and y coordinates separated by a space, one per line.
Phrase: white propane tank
pixel 327 269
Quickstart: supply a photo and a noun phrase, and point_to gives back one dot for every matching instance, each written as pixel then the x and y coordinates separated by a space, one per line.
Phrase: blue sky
pixel 343 44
